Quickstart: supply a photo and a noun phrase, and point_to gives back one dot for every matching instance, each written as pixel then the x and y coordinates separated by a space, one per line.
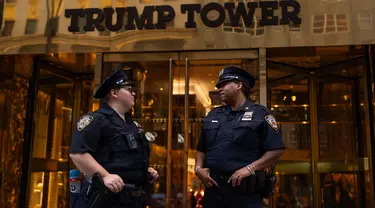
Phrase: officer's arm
pixel 87 164
pixel 201 149
pixel 272 143
pixel 85 142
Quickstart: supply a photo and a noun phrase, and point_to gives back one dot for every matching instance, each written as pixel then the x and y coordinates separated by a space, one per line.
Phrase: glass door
pixel 52 123
pixel 322 114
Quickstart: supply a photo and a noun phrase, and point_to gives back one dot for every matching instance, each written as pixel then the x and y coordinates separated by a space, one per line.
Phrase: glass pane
pixel 41 115
pixel 339 190
pixel 151 111
pixel 62 121
pixel 203 97
pixel 57 191
pixel 337 139
pixel 293 190
pixel 290 103
pixel 36 189
pixel 15 74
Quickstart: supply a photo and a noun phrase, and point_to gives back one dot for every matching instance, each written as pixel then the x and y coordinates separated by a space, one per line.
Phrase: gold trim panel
pixel 360 164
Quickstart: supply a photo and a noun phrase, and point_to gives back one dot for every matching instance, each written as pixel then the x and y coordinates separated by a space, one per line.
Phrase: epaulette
pixel 264 108
pixel 220 108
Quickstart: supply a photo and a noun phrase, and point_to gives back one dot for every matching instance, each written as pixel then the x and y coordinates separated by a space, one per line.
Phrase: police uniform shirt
pixel 234 139
pixel 98 130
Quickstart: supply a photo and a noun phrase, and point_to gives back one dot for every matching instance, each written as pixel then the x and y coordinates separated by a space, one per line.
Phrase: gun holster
pixel 263 183
pixel 97 194
pixel 267 184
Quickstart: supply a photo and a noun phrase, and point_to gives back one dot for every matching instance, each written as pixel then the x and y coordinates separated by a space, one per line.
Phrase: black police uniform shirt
pixel 233 139
pixel 118 145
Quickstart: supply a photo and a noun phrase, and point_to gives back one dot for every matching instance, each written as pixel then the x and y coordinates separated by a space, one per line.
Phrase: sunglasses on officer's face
pixel 129 89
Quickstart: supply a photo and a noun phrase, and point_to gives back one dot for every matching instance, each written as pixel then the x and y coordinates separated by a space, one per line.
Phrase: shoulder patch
pixel 84 121
pixel 271 120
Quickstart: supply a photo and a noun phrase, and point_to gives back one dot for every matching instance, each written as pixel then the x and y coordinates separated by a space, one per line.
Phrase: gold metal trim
pixel 169 143
pixel 148 56
pixel 293 168
pixel 314 140
pixel 221 55
pixel 186 135
pixel 360 164
pixel 262 67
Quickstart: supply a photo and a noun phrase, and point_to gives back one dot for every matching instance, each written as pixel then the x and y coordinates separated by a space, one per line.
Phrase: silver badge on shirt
pixel 247 116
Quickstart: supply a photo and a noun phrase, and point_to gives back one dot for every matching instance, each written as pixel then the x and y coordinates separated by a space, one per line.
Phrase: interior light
pixel 294 98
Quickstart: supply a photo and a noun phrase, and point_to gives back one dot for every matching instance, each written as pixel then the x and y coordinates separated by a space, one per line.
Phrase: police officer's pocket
pixel 210 131
pixel 245 130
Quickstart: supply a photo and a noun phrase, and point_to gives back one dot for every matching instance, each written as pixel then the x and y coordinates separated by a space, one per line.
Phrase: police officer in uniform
pixel 239 140
pixel 107 142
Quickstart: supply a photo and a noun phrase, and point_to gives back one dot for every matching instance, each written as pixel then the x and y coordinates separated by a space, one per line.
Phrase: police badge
pixel 84 121
pixel 271 120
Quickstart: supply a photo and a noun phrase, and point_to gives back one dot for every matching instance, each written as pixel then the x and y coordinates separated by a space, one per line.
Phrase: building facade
pixel 312 60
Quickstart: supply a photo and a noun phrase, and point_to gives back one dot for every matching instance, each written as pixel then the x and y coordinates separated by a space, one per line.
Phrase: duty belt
pixel 220 179
pixel 129 189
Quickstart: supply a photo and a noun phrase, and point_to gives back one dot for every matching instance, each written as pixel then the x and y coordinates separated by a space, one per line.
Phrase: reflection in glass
pixel 339 190
pixel 41 124
pixel 289 101
pixel 36 189
pixel 336 121
pixel 293 191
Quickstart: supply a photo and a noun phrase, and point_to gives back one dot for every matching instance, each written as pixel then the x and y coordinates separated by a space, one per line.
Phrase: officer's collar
pixel 106 109
pixel 245 107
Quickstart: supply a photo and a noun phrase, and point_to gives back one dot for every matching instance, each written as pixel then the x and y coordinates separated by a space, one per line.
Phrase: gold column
pixel 169 143
pixel 262 67
pixel 368 114
pixel 314 139
pixel 186 136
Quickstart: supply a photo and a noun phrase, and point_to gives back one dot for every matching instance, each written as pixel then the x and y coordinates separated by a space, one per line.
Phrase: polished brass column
pixel 169 143
pixel 262 76
pixel 186 136
pixel 314 139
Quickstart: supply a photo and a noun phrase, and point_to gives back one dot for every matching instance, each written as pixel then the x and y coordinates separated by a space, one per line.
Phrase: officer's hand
pixel 154 174
pixel 204 175
pixel 237 176
pixel 113 182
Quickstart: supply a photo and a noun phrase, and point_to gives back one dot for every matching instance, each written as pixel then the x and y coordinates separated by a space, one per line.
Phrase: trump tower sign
pixel 95 17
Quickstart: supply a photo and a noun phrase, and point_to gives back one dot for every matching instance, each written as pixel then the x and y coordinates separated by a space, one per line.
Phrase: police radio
pixel 75 181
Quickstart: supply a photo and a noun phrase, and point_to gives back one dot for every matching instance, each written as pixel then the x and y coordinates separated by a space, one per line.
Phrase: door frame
pixel 317 166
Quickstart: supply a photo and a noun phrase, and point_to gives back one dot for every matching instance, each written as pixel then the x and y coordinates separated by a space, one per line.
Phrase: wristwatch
pixel 196 169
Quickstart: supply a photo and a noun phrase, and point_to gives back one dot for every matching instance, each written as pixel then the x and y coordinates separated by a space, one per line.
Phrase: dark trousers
pixel 226 196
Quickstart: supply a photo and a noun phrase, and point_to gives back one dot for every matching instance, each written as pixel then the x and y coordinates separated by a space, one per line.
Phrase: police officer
pixel 107 142
pixel 238 140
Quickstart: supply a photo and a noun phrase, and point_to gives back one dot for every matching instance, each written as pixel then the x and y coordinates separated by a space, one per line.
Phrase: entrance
pixel 62 93
pixel 321 110
pixel 322 113
pixel 176 91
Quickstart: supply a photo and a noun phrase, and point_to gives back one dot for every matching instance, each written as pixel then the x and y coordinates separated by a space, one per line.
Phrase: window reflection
pixel 289 102
pixel 339 190
pixel 293 191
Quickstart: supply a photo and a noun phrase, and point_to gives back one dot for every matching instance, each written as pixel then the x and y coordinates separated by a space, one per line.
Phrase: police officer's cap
pixel 115 80
pixel 234 73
